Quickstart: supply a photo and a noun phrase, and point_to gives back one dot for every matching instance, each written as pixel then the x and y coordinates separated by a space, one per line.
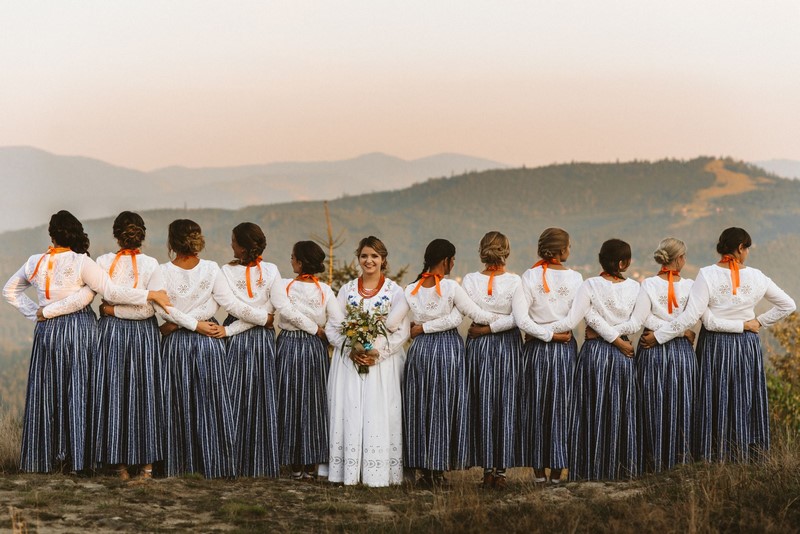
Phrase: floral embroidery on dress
pixel 183 289
pixel 241 285
pixel 205 284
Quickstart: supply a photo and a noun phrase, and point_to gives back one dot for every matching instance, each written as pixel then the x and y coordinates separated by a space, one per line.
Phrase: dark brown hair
pixel 310 255
pixel 67 231
pixel 251 238
pixel 731 238
pixel 129 230
pixel 436 251
pixel 185 237
pixel 612 252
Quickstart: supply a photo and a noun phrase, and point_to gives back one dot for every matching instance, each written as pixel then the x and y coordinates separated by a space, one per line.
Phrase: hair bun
pixel 661 256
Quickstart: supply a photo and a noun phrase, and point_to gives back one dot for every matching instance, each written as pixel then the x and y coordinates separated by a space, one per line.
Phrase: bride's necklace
pixel 369 293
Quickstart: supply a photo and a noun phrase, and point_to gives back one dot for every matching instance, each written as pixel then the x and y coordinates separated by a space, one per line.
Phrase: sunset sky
pixel 210 83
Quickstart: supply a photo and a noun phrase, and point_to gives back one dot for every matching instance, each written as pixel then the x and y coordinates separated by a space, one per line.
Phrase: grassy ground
pixel 691 498
pixel 694 498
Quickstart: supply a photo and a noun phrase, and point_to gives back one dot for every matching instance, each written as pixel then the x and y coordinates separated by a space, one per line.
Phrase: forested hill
pixel 640 202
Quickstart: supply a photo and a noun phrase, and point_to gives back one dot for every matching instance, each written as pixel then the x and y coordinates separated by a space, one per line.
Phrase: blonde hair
pixel 552 242
pixel 668 250
pixel 494 248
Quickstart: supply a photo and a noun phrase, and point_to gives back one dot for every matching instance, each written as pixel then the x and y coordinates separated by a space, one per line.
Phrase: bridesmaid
pixel 198 418
pixel 434 389
pixel 492 364
pixel 127 388
pixel 548 358
pixel 603 438
pixel 302 364
pixel 55 432
pixel 251 352
pixel 731 416
pixel 666 374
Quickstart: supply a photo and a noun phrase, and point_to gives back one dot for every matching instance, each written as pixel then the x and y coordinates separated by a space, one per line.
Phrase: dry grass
pixel 10 439
pixel 700 498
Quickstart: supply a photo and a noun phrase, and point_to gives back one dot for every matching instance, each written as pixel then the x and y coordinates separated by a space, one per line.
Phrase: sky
pixel 147 84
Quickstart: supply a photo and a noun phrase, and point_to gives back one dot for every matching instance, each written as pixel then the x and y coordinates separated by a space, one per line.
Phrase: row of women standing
pixel 248 405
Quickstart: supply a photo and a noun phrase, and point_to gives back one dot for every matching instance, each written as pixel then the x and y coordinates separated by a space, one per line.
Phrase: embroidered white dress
pixel 366 425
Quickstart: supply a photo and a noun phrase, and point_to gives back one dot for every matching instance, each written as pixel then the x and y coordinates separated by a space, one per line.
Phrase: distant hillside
pixel 38 183
pixel 640 202
pixel 785 168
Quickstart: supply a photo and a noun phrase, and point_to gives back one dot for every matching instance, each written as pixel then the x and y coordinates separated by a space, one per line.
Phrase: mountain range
pixel 37 183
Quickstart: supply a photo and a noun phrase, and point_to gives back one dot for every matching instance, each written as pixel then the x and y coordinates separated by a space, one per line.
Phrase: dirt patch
pixel 726 183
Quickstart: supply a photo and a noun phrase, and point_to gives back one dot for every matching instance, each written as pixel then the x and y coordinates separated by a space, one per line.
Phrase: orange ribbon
pixel 425 276
pixel 51 251
pixel 256 263
pixel 614 276
pixel 132 252
pixel 492 270
pixel 672 300
pixel 544 264
pixel 733 264
pixel 310 277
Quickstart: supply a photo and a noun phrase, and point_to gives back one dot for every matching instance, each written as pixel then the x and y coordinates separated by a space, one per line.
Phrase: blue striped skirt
pixel 251 374
pixel 492 367
pixel 667 379
pixel 198 419
pixel 434 403
pixel 127 392
pixel 603 441
pixel 731 411
pixel 55 427
pixel 302 366
pixel 544 399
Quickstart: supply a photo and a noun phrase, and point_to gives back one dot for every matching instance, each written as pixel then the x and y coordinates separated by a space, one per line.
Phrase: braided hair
pixel 310 255
pixel 185 237
pixel 612 252
pixel 251 238
pixel 436 251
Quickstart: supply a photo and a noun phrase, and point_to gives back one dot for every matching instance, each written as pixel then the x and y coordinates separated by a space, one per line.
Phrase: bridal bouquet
pixel 361 328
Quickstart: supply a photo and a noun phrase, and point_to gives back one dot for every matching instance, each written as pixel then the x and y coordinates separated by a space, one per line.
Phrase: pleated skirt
pixel 127 392
pixel 434 403
pixel 667 380
pixel 198 419
pixel 251 374
pixel 55 428
pixel 545 389
pixel 302 367
pixel 731 410
pixel 603 441
pixel 492 373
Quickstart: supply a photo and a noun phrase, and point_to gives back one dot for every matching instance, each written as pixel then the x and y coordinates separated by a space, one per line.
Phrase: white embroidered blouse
pixel 438 313
pixel 269 294
pixel 504 287
pixel 70 273
pixel 317 304
pixel 536 311
pixel 606 306
pixel 388 301
pixel 712 292
pixel 197 293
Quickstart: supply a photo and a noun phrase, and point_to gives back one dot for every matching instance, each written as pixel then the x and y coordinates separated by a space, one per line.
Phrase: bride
pixel 366 428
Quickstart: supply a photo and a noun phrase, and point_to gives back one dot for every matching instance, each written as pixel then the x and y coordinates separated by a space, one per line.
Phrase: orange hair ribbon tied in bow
pixel 309 277
pixel 544 264
pixel 51 251
pixel 424 277
pixel 255 263
pixel 132 252
pixel 672 300
pixel 733 264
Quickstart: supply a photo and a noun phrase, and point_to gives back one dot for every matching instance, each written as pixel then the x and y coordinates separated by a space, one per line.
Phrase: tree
pixel 783 378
